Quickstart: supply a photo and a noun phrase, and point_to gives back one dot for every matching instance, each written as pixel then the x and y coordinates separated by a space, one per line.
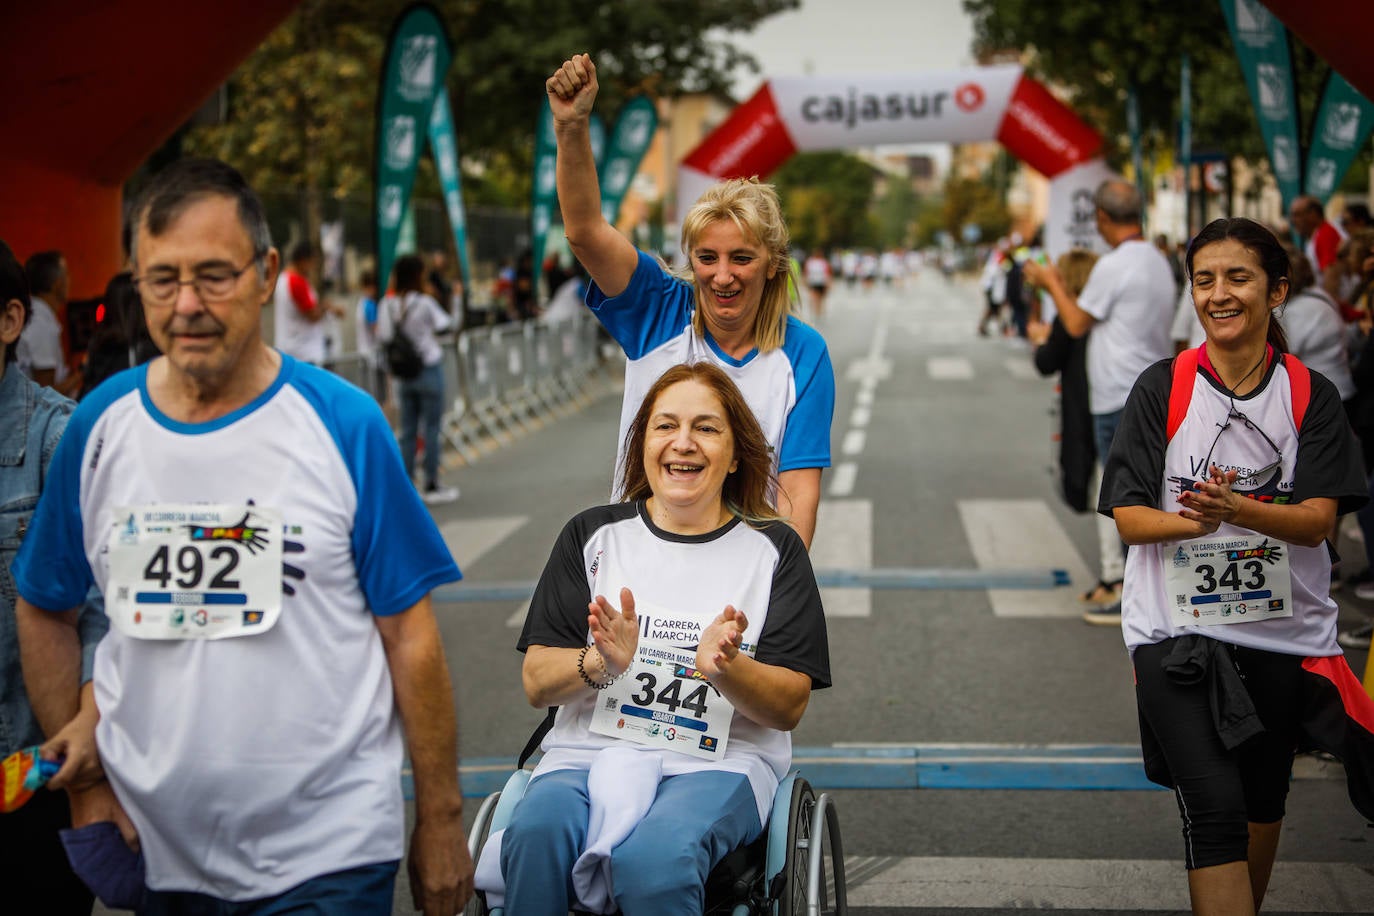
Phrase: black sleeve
pixel 794 635
pixel 1135 467
pixel 558 611
pixel 1053 355
pixel 1329 461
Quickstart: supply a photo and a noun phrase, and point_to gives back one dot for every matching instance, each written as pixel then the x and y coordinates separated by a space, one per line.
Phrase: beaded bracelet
pixel 582 671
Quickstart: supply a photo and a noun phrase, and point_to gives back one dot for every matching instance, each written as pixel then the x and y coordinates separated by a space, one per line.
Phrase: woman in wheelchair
pixel 681 634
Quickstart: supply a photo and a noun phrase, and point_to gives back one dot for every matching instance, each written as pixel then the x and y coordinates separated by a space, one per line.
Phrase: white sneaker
pixel 1356 638
pixel 439 495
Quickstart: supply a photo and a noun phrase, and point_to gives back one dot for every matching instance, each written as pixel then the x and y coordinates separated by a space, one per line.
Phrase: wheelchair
pixel 795 868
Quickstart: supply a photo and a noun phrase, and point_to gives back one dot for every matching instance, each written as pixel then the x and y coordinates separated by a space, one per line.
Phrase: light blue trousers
pixel 660 869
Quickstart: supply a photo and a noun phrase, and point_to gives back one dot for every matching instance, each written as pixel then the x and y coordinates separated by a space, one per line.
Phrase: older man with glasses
pixel 266 567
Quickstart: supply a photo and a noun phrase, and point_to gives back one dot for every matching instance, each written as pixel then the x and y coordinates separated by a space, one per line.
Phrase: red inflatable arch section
pixel 93 89
pixel 796 114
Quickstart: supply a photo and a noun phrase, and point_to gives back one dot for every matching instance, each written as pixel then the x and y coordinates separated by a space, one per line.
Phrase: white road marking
pixel 853 442
pixel 517 619
pixel 1021 368
pixel 1023 534
pixel 842 480
pixel 844 540
pixel 860 416
pixel 949 368
pixel 1088 885
pixel 468 539
pixel 864 395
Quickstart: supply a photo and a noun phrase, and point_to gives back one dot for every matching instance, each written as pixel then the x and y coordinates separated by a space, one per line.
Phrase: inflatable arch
pixel 802 114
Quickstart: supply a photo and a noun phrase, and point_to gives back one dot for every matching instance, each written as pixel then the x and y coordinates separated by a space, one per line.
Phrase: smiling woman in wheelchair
pixel 681 633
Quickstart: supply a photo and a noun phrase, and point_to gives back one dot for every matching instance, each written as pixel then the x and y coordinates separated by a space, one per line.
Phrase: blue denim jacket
pixel 31 423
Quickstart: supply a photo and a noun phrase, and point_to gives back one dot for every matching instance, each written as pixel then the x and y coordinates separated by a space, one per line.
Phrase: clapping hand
pixel 720 643
pixel 616 633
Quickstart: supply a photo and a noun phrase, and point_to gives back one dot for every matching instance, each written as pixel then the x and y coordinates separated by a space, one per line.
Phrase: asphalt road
pixel 1009 713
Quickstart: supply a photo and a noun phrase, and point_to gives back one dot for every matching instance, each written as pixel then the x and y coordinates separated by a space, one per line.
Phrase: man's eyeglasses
pixel 212 284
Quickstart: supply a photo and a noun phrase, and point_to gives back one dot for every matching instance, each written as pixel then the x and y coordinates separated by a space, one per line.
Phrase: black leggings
pixel 1219 791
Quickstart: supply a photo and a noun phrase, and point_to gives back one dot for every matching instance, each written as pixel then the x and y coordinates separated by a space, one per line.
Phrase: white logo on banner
pixel 417 67
pixel 541 220
pixel 548 176
pixel 636 130
pixel 1323 177
pixel 1285 159
pixel 1251 16
pixel 1342 126
pixel 400 142
pixel 454 201
pixel 618 177
pixel 1273 91
pixel 391 206
pixel 443 147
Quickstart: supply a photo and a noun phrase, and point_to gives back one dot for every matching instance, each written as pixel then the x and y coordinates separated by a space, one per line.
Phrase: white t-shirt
pixel 423 319
pixel 567 301
pixel 365 329
pixel 817 271
pixel 1316 335
pixel 249 765
pixel 1131 294
pixel 1187 328
pixel 791 389
pixel 1146 469
pixel 295 334
pixel 40 345
pixel 678 582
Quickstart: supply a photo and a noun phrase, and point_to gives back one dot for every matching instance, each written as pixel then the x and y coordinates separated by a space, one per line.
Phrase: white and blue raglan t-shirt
pixel 791 389
pixel 249 764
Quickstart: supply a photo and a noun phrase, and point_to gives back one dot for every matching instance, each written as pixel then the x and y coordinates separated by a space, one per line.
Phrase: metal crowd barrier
pixel 506 380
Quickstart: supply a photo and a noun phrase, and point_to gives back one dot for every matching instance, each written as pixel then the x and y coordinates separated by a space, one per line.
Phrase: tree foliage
pixel 968 202
pixel 1097 50
pixel 826 197
pixel 302 107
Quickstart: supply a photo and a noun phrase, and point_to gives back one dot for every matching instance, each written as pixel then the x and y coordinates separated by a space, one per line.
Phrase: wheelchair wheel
pixel 814 869
pixel 477 838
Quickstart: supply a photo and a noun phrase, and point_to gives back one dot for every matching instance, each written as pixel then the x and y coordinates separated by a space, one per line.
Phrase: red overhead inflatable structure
pixel 1338 30
pixel 789 115
pixel 93 89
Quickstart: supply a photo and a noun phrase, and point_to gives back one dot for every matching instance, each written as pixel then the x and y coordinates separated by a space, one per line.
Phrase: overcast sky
pixel 840 37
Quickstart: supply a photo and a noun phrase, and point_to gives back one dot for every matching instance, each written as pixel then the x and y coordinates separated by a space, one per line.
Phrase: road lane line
pixel 1088 885
pixel 1023 534
pixel 842 480
pixel 470 538
pixel 853 442
pixel 949 368
pixel 844 538
pixel 860 416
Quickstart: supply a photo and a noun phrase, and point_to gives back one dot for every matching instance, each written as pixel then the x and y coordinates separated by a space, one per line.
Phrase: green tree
pixel 895 213
pixel 826 198
pixel 968 202
pixel 302 107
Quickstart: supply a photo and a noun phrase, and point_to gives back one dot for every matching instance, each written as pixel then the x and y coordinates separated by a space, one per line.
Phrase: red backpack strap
pixel 1181 391
pixel 1300 386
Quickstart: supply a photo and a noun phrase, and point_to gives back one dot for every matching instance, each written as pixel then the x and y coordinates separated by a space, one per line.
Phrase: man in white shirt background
pixel 1126 310
pixel 42 357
